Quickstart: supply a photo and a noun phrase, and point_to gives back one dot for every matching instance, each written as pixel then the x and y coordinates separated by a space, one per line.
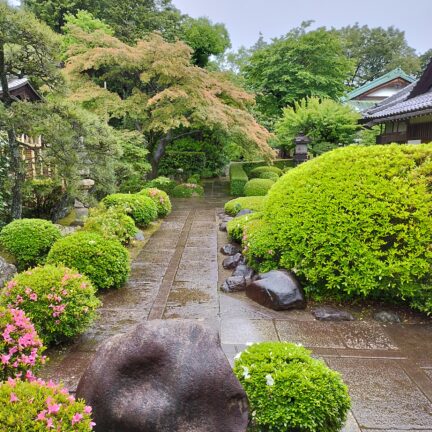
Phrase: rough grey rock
pixel 230 249
pixel 232 262
pixel 169 375
pixel 139 236
pixel 387 317
pixel 226 218
pixel 244 212
pixel 234 284
pixel 245 271
pixel 278 290
pixel 223 226
pixel 7 272
pixel 66 230
pixel 331 314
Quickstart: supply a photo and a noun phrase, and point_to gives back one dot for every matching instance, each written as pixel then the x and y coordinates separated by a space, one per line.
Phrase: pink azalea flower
pixel 13 397
pixel 33 296
pixel 41 415
pixel 50 423
pixel 5 358
pixel 77 418
pixel 88 409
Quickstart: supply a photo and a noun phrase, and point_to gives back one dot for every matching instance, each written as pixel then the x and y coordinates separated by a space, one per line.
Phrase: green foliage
pixel 161 199
pixel 105 262
pixel 236 226
pixel 42 198
pixel 322 120
pixel 18 358
pixel 254 203
pixel 288 390
pixel 369 136
pixel 205 38
pixel 298 65
pixel 356 222
pixel 282 164
pixel 162 183
pixel 24 406
pixel 29 240
pixel 188 190
pixel 258 187
pixel 256 172
pixel 376 51
pixel 269 175
pixel 60 302
pixel 194 179
pixel 184 163
pixel 111 223
pixel 142 209
pixel 238 179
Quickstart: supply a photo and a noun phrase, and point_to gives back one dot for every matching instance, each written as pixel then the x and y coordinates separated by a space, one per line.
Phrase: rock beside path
pixel 230 249
pixel 234 284
pixel 232 262
pixel 245 271
pixel 243 212
pixel 7 272
pixel 331 314
pixel 278 290
pixel 167 375
pixel 387 317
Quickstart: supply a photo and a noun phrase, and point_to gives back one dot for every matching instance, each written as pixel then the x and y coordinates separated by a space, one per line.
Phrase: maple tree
pixel 153 87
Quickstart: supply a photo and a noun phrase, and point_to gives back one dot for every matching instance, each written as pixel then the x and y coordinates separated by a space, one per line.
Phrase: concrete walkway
pixel 387 367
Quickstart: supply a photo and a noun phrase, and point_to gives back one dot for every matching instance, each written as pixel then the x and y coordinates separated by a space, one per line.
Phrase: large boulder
pixel 278 290
pixel 7 272
pixel 164 376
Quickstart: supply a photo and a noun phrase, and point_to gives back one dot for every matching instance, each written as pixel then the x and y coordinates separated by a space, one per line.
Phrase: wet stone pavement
pixel 388 367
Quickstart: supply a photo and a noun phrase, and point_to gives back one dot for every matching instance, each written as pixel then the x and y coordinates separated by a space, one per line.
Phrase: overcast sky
pixel 246 18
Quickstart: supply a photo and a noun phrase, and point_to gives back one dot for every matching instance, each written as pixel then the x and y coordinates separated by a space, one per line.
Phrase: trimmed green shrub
pixel 29 240
pixel 188 162
pixel 235 227
pixel 187 190
pixel 111 223
pixel 256 172
pixel 279 163
pixel 60 302
pixel 161 199
pixel 194 179
pixel 357 222
pixel 20 346
pixel 140 208
pixel 105 262
pixel 258 187
pixel 162 183
pixel 39 406
pixel 288 390
pixel 269 175
pixel 254 203
pixel 238 179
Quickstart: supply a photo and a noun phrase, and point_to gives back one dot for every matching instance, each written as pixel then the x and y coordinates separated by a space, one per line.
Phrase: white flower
pixel 245 372
pixel 237 356
pixel 270 380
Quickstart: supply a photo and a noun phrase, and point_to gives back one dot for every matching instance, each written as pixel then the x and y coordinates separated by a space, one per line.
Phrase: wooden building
pixel 374 92
pixel 405 117
pixel 21 89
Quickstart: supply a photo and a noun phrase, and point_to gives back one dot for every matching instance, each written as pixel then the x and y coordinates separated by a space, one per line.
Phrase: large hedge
pixel 355 222
pixel 184 162
pixel 238 179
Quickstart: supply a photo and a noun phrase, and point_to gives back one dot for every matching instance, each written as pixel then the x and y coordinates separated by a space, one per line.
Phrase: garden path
pixel 387 367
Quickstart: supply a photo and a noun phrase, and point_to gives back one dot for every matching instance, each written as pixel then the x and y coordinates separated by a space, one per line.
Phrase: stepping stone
pixel 331 314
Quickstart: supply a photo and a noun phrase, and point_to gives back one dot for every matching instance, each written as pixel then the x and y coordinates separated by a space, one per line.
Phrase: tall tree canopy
pixel 296 66
pixel 152 87
pixel 376 51
pixel 205 38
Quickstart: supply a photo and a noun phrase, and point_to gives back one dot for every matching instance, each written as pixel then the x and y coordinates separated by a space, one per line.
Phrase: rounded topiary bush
pixel 258 187
pixel 162 183
pixel 254 203
pixel 161 199
pixel 288 390
pixel 59 302
pixel 257 172
pixel 105 262
pixel 140 208
pixel 269 175
pixel 111 223
pixel 187 190
pixel 236 226
pixel 29 240
pixel 39 406
pixel 357 222
pixel 20 346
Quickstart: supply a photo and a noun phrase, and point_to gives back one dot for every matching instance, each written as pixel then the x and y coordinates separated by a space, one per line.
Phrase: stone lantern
pixel 301 142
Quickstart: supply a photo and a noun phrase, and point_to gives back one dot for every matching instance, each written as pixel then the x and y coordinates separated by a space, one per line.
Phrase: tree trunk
pixel 157 155
pixel 16 168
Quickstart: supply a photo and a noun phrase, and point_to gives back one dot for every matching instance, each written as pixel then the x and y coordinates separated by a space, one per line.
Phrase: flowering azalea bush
pixel 29 240
pixel 288 390
pixel 236 226
pixel 187 190
pixel 161 199
pixel 20 346
pixel 112 224
pixel 105 262
pixel 39 406
pixel 60 302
